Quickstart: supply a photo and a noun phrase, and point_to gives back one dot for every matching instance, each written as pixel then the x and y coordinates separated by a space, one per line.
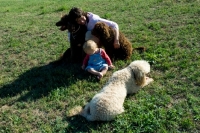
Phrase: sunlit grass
pixel 35 97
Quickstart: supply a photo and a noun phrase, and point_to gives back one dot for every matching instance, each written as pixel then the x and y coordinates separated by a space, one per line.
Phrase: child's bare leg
pixel 103 72
pixel 92 71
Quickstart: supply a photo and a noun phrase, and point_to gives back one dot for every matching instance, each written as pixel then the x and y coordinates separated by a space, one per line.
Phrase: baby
pixel 96 59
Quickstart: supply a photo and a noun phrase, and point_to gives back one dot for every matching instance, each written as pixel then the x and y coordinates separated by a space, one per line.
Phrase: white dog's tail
pixel 75 111
pixel 140 69
pixel 78 110
pixel 86 112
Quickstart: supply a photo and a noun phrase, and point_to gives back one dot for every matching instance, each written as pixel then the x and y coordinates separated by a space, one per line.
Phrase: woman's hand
pixel 116 44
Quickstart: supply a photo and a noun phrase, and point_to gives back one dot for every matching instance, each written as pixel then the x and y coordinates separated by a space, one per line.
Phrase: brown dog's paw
pixel 140 49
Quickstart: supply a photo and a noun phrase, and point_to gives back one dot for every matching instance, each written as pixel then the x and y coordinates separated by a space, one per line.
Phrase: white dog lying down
pixel 108 103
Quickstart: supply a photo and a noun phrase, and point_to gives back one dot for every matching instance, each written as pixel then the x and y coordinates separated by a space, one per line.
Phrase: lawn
pixel 36 97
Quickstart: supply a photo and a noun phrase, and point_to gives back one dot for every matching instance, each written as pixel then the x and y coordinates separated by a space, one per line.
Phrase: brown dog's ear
pixel 101 30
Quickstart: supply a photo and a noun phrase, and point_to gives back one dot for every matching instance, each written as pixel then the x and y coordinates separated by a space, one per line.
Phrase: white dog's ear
pixel 139 76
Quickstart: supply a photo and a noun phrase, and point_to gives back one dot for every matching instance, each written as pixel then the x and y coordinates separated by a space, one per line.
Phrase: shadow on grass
pixel 39 81
pixel 78 123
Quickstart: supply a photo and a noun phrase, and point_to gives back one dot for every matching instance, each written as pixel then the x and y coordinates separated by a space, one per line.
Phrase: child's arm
pixel 107 58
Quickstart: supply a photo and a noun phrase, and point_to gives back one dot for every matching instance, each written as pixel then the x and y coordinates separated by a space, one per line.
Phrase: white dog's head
pixel 140 68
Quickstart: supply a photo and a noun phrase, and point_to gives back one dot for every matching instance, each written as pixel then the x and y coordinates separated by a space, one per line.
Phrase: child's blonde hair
pixel 89 45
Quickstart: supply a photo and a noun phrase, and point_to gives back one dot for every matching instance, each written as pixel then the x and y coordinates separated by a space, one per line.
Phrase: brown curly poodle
pixel 106 36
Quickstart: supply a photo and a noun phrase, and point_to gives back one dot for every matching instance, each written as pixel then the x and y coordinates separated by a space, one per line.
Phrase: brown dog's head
pixel 63 23
pixel 66 24
pixel 101 30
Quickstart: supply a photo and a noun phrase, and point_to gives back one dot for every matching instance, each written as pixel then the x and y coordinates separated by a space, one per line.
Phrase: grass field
pixel 34 97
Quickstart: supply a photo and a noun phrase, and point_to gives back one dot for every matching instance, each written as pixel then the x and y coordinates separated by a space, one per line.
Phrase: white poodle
pixel 108 103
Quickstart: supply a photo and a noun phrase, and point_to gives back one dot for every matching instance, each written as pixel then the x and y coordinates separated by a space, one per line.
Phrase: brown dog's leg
pixel 64 58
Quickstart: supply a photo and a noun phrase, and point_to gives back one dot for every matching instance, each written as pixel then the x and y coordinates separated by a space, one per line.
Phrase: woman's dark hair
pixel 75 13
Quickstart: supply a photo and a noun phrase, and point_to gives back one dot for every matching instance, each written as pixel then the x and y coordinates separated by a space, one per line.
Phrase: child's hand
pixel 83 67
pixel 111 67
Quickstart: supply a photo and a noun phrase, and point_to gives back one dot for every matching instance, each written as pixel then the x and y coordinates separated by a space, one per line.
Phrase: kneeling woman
pixel 89 19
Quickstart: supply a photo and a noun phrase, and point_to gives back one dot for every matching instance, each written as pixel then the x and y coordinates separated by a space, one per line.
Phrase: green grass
pixel 34 97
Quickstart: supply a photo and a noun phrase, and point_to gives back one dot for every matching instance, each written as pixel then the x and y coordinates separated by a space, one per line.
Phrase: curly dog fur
pixel 108 103
pixel 75 53
pixel 106 36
